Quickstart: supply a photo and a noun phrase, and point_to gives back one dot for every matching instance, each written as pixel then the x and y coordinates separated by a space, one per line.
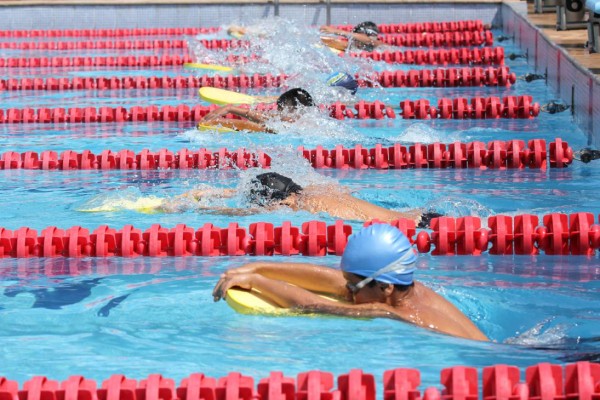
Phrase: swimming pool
pixel 155 315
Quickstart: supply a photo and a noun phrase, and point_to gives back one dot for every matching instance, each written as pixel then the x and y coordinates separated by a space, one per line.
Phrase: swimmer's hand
pixel 229 280
pixel 218 113
pixel 331 29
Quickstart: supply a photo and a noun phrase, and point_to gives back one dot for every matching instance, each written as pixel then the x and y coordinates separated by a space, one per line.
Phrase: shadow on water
pixel 63 294
pixel 105 310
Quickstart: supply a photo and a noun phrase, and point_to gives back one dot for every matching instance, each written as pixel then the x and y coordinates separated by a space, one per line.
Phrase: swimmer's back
pixel 433 311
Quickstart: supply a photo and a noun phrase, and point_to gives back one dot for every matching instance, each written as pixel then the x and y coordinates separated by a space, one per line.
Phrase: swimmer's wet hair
pixel 294 98
pixel 367 27
pixel 270 187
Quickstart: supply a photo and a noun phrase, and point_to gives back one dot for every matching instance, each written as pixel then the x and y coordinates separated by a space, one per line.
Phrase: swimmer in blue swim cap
pixel 375 281
pixel 342 79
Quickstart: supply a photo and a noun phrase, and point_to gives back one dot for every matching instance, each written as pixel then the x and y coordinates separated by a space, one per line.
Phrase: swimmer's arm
pixel 282 293
pixel 334 43
pixel 184 201
pixel 356 36
pixel 238 125
pixel 236 30
pixel 315 278
pixel 331 29
pixel 197 194
pixel 236 212
pixel 251 115
pixel 367 310
pixel 361 37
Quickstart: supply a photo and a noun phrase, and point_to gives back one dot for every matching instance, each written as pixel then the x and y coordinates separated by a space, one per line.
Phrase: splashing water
pixel 542 334
pixel 287 162
pixel 312 125
pixel 423 133
pixel 455 207
pixel 301 56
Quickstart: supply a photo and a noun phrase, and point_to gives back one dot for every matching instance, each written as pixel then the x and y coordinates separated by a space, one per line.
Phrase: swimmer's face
pixel 366 294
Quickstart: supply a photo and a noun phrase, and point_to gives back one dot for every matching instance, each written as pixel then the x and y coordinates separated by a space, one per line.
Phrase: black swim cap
pixel 272 186
pixel 294 98
pixel 367 27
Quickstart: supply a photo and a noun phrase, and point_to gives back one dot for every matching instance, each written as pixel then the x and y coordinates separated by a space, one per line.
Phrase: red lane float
pixel 120 32
pixel 464 56
pixel 98 45
pixel 439 39
pixel 420 27
pixel 496 155
pixel 559 234
pixel 117 61
pixel 144 82
pixel 445 77
pixel 440 77
pixel 499 382
pixel 466 25
pixel 510 107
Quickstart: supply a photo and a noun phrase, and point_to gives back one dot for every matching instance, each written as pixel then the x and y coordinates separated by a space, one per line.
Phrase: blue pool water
pixel 98 317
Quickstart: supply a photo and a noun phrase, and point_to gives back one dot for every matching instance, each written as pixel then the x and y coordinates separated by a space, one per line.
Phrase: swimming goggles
pixel 395 266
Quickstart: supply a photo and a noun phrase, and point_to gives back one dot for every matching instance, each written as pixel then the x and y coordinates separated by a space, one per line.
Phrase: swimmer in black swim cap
pixel 289 104
pixel 270 187
pixel 363 37
pixel 272 190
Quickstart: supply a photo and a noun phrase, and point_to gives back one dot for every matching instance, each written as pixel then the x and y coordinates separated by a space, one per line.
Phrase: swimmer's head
pixel 382 253
pixel 271 187
pixel 344 80
pixel 294 98
pixel 367 28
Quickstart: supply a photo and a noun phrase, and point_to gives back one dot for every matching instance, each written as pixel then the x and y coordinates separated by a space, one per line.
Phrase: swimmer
pixel 363 37
pixel 343 80
pixel 271 191
pixel 375 278
pixel 289 105
pixel 237 31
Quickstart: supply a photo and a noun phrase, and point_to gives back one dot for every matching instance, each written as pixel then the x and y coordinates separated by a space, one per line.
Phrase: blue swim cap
pixel 344 80
pixel 381 252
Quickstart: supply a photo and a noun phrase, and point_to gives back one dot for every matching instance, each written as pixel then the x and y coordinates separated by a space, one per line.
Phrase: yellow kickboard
pixel 146 205
pixel 223 97
pixel 252 302
pixel 213 67
pixel 214 128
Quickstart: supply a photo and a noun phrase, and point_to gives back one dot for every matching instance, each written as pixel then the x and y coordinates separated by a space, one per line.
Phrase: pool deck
pixel 572 41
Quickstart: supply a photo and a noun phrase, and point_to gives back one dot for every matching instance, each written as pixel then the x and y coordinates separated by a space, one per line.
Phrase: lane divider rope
pixel 437 39
pixel 464 56
pixel 510 107
pixel 117 61
pixel 465 25
pixel 558 234
pixel 499 381
pixel 439 77
pixel 498 155
pixel 420 27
